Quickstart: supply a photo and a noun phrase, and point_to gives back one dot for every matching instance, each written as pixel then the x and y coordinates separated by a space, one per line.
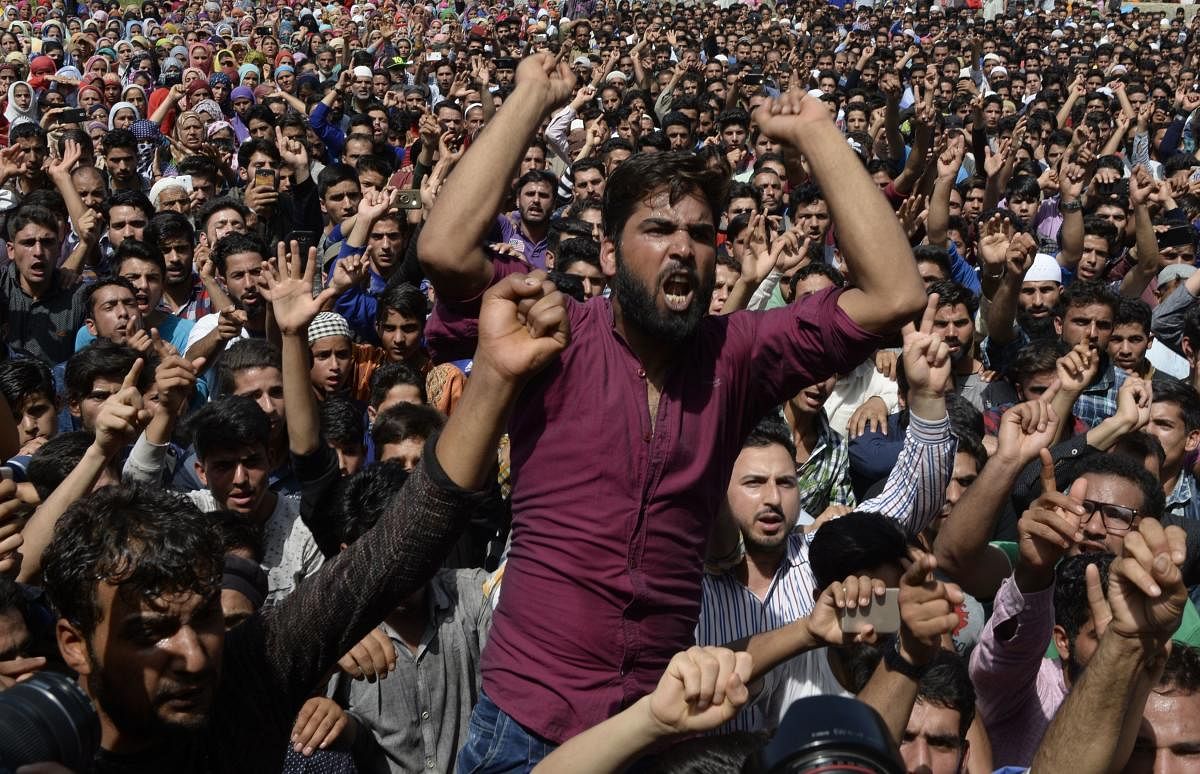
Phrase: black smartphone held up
pixel 71 116
pixel 305 239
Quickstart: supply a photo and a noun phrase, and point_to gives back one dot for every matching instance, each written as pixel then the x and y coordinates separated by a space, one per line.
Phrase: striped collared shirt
pixel 913 496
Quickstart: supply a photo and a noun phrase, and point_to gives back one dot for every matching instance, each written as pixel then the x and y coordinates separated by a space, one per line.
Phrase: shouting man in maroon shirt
pixel 621 450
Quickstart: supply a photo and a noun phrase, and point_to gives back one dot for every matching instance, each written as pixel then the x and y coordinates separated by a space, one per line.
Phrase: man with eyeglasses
pixel 1043 600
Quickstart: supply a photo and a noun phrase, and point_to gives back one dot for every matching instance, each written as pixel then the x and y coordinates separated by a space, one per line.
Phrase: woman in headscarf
pixel 192 75
pixel 227 61
pixel 249 75
pixel 96 131
pixel 122 115
pixel 135 95
pixel 200 57
pixel 40 70
pixel 20 107
pixel 221 86
pixel 111 88
pixel 89 96
pixel 97 65
pixel 188 140
pixel 242 100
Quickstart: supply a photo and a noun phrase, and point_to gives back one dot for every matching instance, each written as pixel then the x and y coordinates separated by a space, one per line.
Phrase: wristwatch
pixel 898 663
pixel 1074 206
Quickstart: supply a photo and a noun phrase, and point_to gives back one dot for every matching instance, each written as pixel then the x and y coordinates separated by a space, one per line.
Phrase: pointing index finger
pixel 131 378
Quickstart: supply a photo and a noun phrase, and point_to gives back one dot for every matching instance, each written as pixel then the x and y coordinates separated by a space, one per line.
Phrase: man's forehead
pixel 690 207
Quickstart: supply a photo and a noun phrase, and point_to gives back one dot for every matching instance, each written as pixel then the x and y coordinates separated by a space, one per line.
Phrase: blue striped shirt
pixel 913 496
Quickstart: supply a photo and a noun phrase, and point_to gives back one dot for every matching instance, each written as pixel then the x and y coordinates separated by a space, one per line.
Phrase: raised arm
pixel 120 419
pixel 289 289
pixel 451 242
pixel 961 546
pixel 888 289
pixel 1146 599
pixel 1141 185
pixel 1018 252
pixel 1071 181
pixel 948 164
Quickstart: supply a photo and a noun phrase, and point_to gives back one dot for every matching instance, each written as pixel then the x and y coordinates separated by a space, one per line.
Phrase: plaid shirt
pixel 824 478
pixel 1183 501
pixel 198 305
pixel 1098 401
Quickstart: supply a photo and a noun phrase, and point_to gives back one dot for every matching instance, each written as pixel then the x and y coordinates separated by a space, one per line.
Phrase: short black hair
pixel 950 293
pixel 342 422
pixel 947 683
pixel 53 462
pixel 1120 466
pixel 135 199
pixel 146 541
pixel 577 250
pixel 22 378
pixel 169 225
pixel 235 244
pixel 855 543
pixel 242 355
pixel 404 421
pixel 360 500
pixel 119 138
pixel 1133 311
pixel 1089 292
pixel 232 422
pixel 133 249
pixel 250 147
pixel 404 298
pixel 1168 389
pixel 214 206
pixel 680 174
pixel 771 430
pixel 933 254
pixel 102 358
pixel 89 294
pixel 35 215
pixel 390 375
pixel 335 174
pixel 1182 671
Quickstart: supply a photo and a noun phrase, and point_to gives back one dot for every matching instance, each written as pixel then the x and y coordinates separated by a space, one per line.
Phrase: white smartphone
pixel 883 614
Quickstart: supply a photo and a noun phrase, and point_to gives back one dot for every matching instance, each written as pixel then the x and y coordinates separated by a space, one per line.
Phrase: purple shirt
pixel 1017 688
pixel 611 515
pixel 508 229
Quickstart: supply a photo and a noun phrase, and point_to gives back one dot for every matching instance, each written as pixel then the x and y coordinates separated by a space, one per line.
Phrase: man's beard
pixel 638 304
pixel 1037 328
pixel 860 661
pixel 150 726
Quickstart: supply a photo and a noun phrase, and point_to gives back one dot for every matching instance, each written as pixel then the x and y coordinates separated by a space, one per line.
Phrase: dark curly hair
pixel 145 541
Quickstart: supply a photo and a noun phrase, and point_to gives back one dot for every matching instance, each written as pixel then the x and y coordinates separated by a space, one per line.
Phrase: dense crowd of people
pixel 585 386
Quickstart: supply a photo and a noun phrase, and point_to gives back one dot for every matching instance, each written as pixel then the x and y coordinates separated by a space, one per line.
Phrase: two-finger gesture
pixel 926 356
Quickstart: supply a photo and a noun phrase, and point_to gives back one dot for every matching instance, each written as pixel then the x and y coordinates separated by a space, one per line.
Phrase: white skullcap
pixel 1045 268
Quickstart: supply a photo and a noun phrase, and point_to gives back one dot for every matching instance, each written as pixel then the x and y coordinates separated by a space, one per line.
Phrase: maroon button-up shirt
pixel 611 514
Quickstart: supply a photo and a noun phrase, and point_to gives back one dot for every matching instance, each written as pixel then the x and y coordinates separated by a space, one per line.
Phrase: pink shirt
pixel 1017 689
pixel 611 515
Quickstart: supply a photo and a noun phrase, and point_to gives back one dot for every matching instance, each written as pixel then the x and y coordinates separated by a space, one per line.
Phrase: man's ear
pixel 73 646
pixel 608 257
pixel 91 326
pixel 74 409
pixel 1192 440
pixel 1061 642
pixel 200 472
pixel 1058 325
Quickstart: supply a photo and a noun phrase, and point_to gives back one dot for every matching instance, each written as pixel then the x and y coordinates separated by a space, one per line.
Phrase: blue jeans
pixel 496 743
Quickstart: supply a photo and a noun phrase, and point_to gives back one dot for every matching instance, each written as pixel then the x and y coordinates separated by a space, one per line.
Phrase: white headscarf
pixel 12 112
pixel 112 114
